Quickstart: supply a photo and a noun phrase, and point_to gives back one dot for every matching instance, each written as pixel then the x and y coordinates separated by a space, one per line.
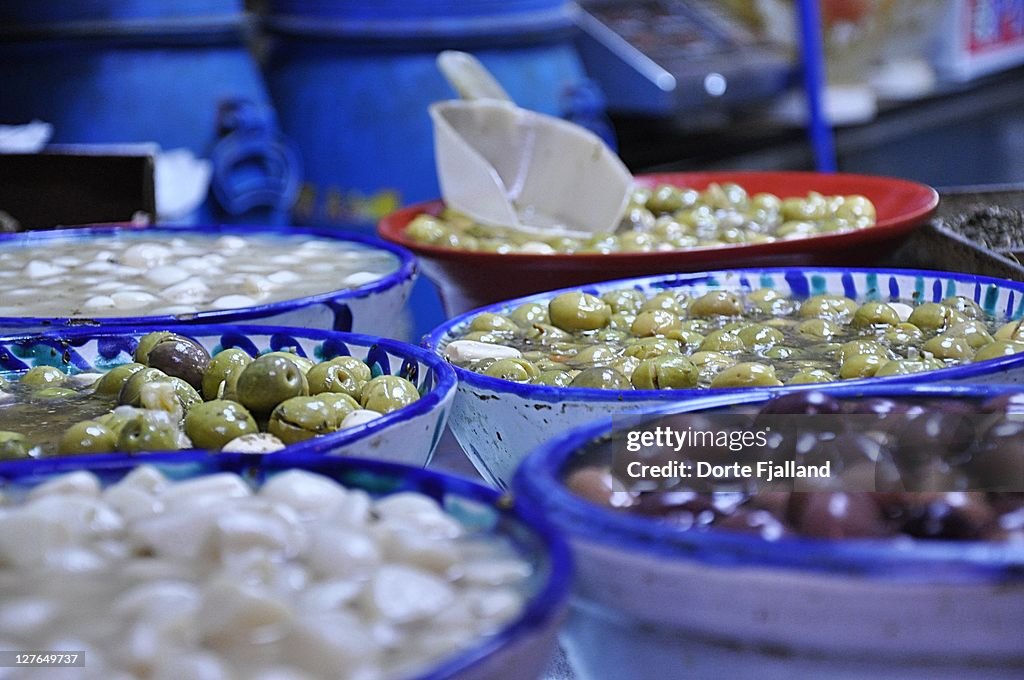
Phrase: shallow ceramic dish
pixel 497 421
pixel 654 601
pixel 370 308
pixel 408 435
pixel 470 279
pixel 518 651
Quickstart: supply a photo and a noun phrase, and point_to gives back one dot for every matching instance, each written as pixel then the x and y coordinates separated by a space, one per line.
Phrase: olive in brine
pixel 301 418
pixel 14 445
pixel 223 372
pixel 387 393
pixel 181 357
pixel 269 380
pixel 578 311
pixel 213 424
pixel 149 431
pixel 87 436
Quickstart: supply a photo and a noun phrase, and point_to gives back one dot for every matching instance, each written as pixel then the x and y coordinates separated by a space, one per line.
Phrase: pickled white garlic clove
pixel 307 493
pixel 145 255
pixel 145 478
pixel 232 613
pixel 232 302
pixel 902 309
pixel 38 269
pixel 167 275
pixel 403 594
pixel 360 416
pixel 336 552
pixel 132 299
pixel 205 490
pixel 360 279
pixel 473 350
pixel 73 483
pixel 260 442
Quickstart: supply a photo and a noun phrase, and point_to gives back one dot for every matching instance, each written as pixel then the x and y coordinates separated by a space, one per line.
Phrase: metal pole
pixel 812 54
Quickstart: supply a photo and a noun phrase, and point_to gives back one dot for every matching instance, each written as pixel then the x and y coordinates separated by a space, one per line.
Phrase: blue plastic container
pixel 122 71
pixel 352 82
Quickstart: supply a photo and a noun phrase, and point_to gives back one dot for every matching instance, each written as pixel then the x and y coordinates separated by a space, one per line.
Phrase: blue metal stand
pixel 812 53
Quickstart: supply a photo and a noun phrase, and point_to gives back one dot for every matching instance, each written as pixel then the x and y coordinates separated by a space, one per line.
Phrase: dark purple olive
pixel 838 515
pixel 760 522
pixel 803 403
pixel 998 464
pixel 1012 403
pixel 181 358
pixel 961 516
pixel 946 434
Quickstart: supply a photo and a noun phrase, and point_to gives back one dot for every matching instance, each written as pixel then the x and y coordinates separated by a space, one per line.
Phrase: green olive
pixel 813 375
pixel 903 334
pixel 907 367
pixel 665 199
pixel 818 329
pixel 621 321
pixel 387 393
pixel 665 300
pixel 426 229
pixel 965 306
pixel 830 307
pixel 147 342
pixel 180 357
pixel 624 365
pixel 688 339
pixel 303 363
pixel 948 347
pixel 516 370
pixel 665 372
pixel 759 336
pixel 578 311
pixel 861 366
pixel 213 424
pixel 341 403
pixel 997 349
pixel 933 317
pixel 721 341
pixel 489 321
pixel 87 436
pixel 554 378
pixel 716 303
pixel 769 301
pixel 1012 330
pixel 54 393
pixel 344 375
pixel 782 352
pixel 177 398
pixel 648 348
pixel 974 332
pixel 601 377
pixel 131 390
pixel 529 313
pixel 654 322
pixel 595 354
pixel 854 207
pixel 547 334
pixel 148 431
pixel 14 445
pixel 493 337
pixel 747 374
pixel 223 370
pixel 874 313
pixel 300 418
pixel 269 380
pixel 43 376
pixel 857 347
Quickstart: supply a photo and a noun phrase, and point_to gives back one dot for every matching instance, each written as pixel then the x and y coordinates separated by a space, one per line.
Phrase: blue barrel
pixel 352 80
pixel 120 71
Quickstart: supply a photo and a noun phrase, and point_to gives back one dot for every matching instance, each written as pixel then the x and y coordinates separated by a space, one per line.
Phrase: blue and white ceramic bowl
pixel 652 601
pixel 408 435
pixel 497 421
pixel 518 651
pixel 373 308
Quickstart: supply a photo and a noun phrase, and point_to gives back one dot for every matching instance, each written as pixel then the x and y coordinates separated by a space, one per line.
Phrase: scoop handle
pixel 470 78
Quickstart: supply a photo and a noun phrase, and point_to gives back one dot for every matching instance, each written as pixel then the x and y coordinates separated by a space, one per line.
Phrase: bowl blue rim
pixel 537 481
pixel 544 606
pixel 408 269
pixel 552 394
pixel 444 383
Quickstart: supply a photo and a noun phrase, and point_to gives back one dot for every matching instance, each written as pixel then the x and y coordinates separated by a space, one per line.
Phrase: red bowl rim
pixel 925 200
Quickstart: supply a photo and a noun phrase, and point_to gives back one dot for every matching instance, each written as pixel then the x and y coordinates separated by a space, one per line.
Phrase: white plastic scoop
pixel 506 166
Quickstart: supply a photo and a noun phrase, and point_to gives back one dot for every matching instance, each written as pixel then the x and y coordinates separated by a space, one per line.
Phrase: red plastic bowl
pixel 469 279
